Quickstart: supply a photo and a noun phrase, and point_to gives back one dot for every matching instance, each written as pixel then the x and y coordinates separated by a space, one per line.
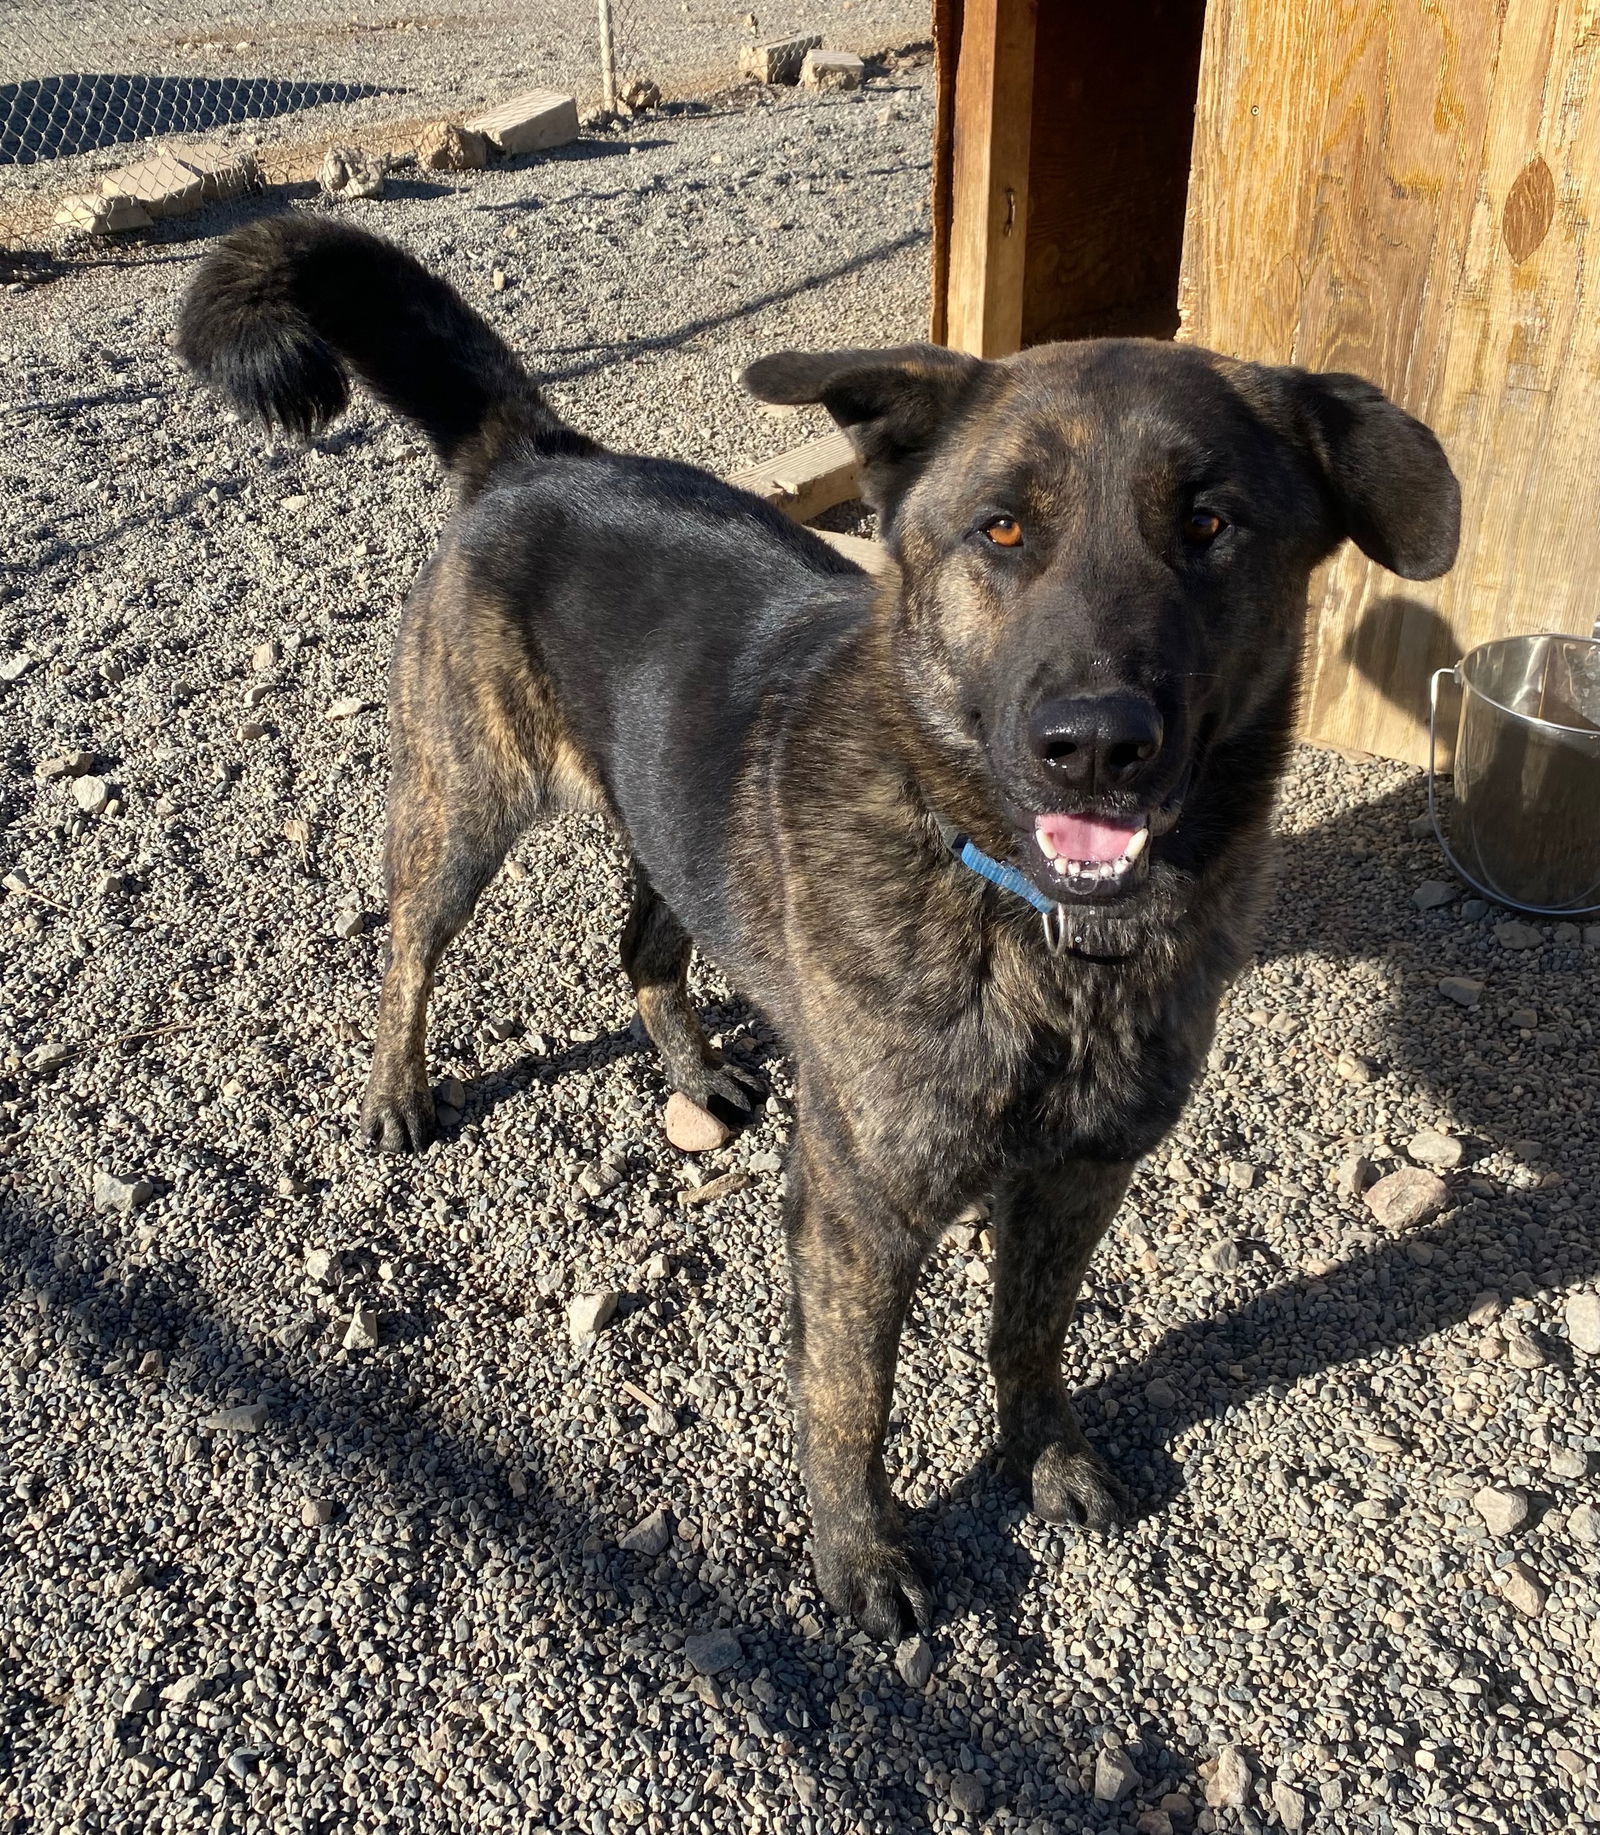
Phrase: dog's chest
pixel 1080 1059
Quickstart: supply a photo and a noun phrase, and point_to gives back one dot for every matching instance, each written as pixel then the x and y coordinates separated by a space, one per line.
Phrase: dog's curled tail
pixel 282 313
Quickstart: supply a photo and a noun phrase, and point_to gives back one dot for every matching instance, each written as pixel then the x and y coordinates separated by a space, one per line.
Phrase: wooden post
pixel 989 177
pixel 608 61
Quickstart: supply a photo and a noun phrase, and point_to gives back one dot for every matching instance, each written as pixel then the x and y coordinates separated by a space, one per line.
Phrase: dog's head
pixel 1105 549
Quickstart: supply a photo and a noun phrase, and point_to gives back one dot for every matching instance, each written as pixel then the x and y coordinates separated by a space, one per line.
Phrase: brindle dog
pixel 852 795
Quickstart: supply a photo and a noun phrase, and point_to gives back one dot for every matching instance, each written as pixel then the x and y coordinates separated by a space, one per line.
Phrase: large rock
pixel 449 147
pixel 1407 1197
pixel 347 172
pixel 589 1314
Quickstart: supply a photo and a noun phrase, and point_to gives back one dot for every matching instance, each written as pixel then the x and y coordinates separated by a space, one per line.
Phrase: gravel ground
pixel 337 73
pixel 262 1573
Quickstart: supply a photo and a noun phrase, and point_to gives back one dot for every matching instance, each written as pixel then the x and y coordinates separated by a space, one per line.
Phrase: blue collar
pixel 1008 879
pixel 1054 916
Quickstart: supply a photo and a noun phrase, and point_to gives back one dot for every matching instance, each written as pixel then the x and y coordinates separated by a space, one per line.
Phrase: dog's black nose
pixel 1097 742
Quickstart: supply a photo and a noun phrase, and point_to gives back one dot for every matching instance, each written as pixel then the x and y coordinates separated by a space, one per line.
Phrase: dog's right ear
pixel 895 404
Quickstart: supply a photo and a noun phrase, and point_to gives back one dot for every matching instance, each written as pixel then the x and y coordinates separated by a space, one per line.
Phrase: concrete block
pixel 179 178
pixel 780 61
pixel 832 70
pixel 528 124
pixel 99 216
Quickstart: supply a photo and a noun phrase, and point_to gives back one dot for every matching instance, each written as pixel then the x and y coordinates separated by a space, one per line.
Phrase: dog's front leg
pixel 853 1277
pixel 1046 1225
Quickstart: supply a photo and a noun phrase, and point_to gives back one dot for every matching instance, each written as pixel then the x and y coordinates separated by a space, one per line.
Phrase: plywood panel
pixel 1404 188
pixel 1113 115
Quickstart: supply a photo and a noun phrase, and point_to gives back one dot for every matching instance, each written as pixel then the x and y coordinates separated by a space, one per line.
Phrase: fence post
pixel 608 61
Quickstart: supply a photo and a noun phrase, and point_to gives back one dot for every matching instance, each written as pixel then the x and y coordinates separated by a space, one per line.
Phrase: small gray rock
pixel 361 1333
pixel 316 1512
pixel 1228 1787
pixel 1290 1805
pixel 1433 893
pixel 1220 1257
pixel 138 1700
pixel 1115 1775
pixel 1242 1175
pixel 1354 1068
pixel 1522 1588
pixel 967 1794
pixel 1356 1172
pixel 1462 989
pixel 1583 1525
pixel 1407 1197
pixel 913 1658
pixel 1582 1314
pixel 49 1057
pixel 1433 1148
pixel 650 1535
pixel 186 1689
pixel 1568 1462
pixel 123 1196
pixel 589 1314
pixel 349 923
pixel 711 1652
pixel 91 794
pixel 247 1418
pixel 1159 1393
pixel 1515 935
pixel 1503 1509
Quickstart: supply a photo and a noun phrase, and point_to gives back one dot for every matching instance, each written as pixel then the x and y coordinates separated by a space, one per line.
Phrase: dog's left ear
pixel 1391 484
pixel 895 404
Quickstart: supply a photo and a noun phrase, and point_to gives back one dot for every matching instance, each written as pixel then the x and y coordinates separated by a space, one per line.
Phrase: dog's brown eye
pixel 1003 531
pixel 1203 527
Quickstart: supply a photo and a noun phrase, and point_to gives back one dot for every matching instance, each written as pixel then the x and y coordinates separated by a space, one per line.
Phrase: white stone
pixel 1582 1314
pixel 588 1314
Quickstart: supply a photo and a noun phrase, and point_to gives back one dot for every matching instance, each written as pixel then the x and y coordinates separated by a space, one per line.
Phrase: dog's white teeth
pixel 1047 847
pixel 1136 844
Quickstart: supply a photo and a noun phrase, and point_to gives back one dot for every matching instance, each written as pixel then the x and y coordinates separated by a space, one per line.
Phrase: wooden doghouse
pixel 1395 187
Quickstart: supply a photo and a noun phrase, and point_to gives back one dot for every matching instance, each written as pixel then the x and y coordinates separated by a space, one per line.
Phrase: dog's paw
pixel 399 1121
pixel 882 1585
pixel 1072 1484
pixel 731 1093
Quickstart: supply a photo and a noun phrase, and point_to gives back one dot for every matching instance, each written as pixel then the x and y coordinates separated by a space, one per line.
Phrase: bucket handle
pixel 1562 911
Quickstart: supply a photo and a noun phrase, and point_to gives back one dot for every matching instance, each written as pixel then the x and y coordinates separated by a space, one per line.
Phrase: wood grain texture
pixel 1403 188
pixel 989 176
pixel 1113 116
pixel 805 480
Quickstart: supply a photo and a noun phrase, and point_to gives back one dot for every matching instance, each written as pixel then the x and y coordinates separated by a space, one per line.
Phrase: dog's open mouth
pixel 1092 853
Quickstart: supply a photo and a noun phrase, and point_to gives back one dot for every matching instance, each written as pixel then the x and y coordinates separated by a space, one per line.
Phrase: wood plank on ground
pixel 806 480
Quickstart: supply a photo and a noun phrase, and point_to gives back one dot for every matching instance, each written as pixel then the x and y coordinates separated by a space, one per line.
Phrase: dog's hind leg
pixel 441 852
pixel 655 956
pixel 1046 1226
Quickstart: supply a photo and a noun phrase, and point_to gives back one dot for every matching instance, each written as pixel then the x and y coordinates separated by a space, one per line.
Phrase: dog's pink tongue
pixel 1092 838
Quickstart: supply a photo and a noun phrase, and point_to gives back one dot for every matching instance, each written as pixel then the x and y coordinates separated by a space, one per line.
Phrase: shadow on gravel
pixel 623 349
pixel 49 117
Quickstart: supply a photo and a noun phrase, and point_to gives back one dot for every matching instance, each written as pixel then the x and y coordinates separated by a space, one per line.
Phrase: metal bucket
pixel 1524 823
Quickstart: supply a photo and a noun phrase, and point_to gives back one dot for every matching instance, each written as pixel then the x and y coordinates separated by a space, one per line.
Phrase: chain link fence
pixel 162 107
